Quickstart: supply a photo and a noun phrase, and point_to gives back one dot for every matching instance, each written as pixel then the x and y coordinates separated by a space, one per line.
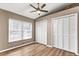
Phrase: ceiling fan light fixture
pixel 39 9
pixel 38 12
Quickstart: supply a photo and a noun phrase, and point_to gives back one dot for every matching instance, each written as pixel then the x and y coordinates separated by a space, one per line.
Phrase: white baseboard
pixel 76 52
pixel 16 47
pixel 44 44
pixel 49 45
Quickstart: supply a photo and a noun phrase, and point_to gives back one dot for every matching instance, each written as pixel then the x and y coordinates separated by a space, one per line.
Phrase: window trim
pixel 22 22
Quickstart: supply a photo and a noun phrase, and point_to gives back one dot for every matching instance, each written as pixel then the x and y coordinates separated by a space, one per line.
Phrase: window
pixel 19 30
pixel 27 30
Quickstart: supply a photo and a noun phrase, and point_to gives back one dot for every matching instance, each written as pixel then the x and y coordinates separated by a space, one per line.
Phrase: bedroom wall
pixel 58 14
pixel 4 18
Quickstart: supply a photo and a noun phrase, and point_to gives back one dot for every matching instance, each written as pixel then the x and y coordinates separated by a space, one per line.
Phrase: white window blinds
pixel 19 30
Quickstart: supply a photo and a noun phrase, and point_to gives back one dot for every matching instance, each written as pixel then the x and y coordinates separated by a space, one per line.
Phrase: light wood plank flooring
pixel 37 50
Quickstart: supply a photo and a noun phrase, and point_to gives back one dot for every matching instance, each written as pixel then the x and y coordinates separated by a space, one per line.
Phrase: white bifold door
pixel 60 33
pixel 64 33
pixel 57 33
pixel 54 33
pixel 73 34
pixel 41 31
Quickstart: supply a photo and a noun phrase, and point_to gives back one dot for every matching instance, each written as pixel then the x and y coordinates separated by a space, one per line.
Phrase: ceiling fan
pixel 39 9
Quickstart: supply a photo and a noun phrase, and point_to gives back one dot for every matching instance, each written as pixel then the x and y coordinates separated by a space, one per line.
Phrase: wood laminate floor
pixel 36 50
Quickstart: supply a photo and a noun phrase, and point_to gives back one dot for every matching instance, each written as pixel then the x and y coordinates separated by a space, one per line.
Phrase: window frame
pixel 22 32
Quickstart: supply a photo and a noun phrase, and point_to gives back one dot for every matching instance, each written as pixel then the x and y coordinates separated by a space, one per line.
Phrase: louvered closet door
pixel 44 32
pixel 60 33
pixel 73 33
pixel 41 31
pixel 54 32
pixel 38 32
pixel 66 33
